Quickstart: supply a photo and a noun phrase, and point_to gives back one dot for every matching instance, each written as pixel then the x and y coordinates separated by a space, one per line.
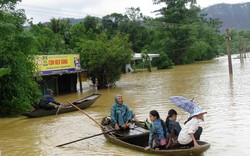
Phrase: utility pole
pixel 229 54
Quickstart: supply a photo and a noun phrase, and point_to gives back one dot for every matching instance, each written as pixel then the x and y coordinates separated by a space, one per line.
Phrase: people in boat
pixel 171 122
pixel 46 100
pixel 158 132
pixel 121 115
pixel 191 131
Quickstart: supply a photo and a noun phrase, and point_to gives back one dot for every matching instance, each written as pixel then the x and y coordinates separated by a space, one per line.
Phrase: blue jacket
pixel 46 99
pixel 155 129
pixel 177 127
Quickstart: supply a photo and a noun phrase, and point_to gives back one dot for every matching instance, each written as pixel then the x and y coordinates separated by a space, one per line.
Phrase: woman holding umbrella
pixel 187 134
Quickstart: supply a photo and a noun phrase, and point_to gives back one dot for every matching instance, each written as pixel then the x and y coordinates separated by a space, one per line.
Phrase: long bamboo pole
pixel 91 118
pixel 84 138
pixel 86 114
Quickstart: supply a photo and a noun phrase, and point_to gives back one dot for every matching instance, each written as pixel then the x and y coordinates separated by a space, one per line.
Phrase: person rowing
pixel 46 100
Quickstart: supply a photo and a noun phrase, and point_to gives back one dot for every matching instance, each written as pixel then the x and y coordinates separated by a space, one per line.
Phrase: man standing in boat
pixel 46 100
pixel 121 115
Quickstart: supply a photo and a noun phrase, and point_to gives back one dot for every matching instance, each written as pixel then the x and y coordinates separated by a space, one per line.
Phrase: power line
pixel 33 10
pixel 56 10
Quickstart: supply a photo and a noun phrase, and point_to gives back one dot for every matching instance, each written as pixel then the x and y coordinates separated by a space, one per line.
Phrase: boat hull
pixel 137 139
pixel 81 103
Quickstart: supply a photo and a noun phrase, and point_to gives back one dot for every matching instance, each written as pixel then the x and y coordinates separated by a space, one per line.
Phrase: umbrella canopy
pixel 183 103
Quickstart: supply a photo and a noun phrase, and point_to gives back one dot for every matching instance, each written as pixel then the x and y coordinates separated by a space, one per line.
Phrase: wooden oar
pixel 58 108
pixel 84 138
pixel 90 118
pixel 86 114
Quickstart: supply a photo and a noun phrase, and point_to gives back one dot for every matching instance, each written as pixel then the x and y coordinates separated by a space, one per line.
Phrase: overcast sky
pixel 44 10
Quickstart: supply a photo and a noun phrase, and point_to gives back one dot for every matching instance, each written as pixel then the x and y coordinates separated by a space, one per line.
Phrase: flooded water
pixel 226 98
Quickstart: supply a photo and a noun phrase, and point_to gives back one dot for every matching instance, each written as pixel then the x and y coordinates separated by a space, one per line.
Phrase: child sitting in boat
pixel 157 135
pixel 121 115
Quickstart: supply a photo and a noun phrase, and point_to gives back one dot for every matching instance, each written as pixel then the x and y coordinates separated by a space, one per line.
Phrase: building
pixel 58 72
pixel 139 56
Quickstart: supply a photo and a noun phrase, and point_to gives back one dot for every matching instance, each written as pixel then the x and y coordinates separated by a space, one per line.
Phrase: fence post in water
pixel 80 80
pixel 229 54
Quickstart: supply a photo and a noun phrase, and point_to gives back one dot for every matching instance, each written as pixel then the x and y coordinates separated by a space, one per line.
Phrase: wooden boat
pixel 136 138
pixel 82 103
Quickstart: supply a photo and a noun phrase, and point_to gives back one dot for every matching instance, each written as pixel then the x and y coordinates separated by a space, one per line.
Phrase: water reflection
pixel 226 98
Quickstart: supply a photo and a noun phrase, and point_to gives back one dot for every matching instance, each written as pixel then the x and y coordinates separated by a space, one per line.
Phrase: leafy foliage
pixel 105 58
pixel 8 4
pixel 190 37
pixel 18 90
pixel 239 42
pixel 5 71
pixel 163 62
pixel 180 35
pixel 47 41
pixel 112 22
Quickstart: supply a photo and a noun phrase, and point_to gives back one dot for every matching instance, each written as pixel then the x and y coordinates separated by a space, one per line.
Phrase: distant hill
pixel 74 20
pixel 233 16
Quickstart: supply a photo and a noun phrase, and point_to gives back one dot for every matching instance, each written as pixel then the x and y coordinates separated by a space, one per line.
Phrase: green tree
pixel 132 24
pixel 111 23
pixel 146 58
pixel 47 41
pixel 18 89
pixel 187 40
pixel 77 32
pixel 104 58
pixel 62 27
pixel 8 4
pixel 94 23
pixel 163 62
pixel 239 41
pixel 134 14
pixel 5 71
pixel 136 29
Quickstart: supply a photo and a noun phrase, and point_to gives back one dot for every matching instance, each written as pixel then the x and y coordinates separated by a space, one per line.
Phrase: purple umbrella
pixel 183 103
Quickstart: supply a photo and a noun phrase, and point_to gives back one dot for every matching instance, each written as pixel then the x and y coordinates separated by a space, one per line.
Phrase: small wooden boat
pixel 82 103
pixel 136 138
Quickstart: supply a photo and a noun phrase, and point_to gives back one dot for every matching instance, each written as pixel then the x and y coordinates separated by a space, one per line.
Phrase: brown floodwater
pixel 226 98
